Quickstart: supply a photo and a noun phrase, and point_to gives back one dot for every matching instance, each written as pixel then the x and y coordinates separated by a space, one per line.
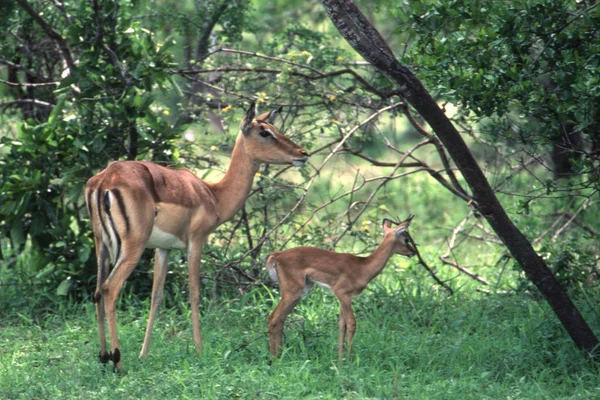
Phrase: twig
pixel 19 84
pixel 562 228
pixel 26 101
pixel 444 257
pixel 51 32
pixel 424 264
pixel 553 225
pixel 441 152
pixel 381 184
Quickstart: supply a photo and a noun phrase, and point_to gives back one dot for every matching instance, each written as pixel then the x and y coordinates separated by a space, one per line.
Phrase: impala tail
pixel 272 268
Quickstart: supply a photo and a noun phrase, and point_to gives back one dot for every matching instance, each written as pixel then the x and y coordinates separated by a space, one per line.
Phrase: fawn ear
pixel 406 222
pixel 386 224
pixel 403 226
pixel 248 118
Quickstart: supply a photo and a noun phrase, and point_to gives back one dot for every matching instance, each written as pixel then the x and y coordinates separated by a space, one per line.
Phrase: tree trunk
pixel 567 149
pixel 367 41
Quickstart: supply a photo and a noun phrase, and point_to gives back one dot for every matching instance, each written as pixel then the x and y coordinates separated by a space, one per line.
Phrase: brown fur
pixel 345 274
pixel 137 204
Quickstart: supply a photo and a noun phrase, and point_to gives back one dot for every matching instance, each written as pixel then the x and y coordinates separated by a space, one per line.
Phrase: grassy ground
pixel 417 344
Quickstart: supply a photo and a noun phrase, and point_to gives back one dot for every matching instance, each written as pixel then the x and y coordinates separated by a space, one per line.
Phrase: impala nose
pixel 298 162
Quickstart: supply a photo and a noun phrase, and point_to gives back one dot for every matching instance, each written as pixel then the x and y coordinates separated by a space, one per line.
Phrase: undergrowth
pixel 412 342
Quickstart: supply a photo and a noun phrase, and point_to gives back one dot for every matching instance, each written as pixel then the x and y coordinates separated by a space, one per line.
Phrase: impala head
pixel 403 244
pixel 263 142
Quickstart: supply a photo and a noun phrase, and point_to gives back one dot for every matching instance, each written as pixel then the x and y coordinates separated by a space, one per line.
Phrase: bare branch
pixel 112 55
pixel 433 275
pixel 51 32
pixel 451 244
pixel 566 225
pixel 26 101
pixel 19 84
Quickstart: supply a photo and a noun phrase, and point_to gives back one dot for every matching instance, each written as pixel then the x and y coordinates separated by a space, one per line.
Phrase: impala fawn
pixel 346 275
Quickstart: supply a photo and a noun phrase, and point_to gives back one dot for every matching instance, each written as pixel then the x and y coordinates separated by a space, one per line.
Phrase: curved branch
pixel 51 32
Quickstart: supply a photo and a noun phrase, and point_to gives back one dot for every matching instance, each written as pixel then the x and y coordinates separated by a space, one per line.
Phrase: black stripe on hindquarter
pixel 106 205
pixel 88 203
pixel 121 205
pixel 99 207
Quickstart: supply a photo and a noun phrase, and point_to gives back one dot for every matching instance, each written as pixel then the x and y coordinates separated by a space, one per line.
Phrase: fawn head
pixel 403 243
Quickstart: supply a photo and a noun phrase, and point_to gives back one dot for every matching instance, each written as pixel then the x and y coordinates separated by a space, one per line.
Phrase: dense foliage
pixel 527 69
pixel 88 82
pixel 85 82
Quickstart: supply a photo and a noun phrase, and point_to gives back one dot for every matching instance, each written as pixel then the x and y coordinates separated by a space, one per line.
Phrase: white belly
pixel 163 240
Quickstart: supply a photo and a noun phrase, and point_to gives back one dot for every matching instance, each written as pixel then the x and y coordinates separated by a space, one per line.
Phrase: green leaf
pixel 64 287
pixel 45 272
pixel 175 86
pixel 57 109
pixel 16 232
pixel 38 221
pixel 83 253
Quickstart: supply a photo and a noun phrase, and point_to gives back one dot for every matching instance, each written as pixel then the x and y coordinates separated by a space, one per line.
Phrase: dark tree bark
pixel 567 148
pixel 367 41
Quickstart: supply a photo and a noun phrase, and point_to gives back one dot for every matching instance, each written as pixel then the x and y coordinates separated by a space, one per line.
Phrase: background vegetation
pixel 87 82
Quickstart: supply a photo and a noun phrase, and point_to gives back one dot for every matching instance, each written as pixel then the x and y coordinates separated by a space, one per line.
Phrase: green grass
pixel 417 344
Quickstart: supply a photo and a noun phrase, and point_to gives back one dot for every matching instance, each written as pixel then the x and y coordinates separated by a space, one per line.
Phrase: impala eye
pixel 266 133
pixel 406 240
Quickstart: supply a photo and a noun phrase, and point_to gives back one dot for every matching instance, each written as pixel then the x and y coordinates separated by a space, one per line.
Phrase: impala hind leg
pixel 103 267
pixel 194 256
pixel 347 315
pixel 110 291
pixel 161 259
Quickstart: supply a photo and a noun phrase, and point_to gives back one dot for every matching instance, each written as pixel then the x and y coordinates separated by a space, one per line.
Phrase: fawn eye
pixel 406 240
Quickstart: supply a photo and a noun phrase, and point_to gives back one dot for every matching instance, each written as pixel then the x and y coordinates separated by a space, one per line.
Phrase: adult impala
pixel 135 205
pixel 346 275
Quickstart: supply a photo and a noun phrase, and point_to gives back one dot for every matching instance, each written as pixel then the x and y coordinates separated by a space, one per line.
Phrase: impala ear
pixel 249 117
pixel 273 115
pixel 386 224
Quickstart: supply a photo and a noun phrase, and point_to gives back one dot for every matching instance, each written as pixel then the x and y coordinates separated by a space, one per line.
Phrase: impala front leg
pixel 194 256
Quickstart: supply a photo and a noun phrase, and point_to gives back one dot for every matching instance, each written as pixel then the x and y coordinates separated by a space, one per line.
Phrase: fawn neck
pixel 232 190
pixel 375 262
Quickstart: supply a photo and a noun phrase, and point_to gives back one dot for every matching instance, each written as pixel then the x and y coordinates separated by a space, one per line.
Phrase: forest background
pixel 83 83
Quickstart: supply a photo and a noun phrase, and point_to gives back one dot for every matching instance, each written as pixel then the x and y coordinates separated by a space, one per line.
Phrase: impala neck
pixel 232 191
pixel 375 263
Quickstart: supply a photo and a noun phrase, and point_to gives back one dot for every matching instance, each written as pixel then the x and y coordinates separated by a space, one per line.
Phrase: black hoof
pixel 104 357
pixel 116 356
